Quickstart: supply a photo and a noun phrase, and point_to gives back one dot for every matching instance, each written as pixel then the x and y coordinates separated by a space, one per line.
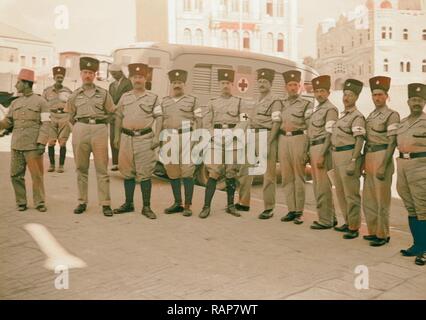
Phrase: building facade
pixel 262 26
pixel 378 38
pixel 19 49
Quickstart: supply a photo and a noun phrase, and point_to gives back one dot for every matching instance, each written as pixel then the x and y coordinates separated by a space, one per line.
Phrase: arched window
pixel 246 40
pixel 383 32
pixel 224 39
pixel 408 66
pixel 386 65
pixel 187 36
pixel 280 8
pixel 246 6
pixel 198 5
pixel 187 5
pixel 424 34
pixel 280 43
pixel 235 5
pixel 390 32
pixel 199 40
pixel 424 65
pixel 269 8
pixel 235 40
pixel 402 66
pixel 269 42
pixel 405 34
pixel 360 39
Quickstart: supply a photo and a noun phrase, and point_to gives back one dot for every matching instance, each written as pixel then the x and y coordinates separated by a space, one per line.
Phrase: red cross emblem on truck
pixel 243 85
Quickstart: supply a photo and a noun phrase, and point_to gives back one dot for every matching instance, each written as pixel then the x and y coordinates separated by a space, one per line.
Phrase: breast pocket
pixel 187 108
pixel 32 113
pixel 298 116
pixel 99 100
pixel 147 108
pixel 379 127
pixel 233 110
pixel 420 138
pixel 82 105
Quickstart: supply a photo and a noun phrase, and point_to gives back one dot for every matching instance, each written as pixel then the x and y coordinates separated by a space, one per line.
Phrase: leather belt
pixel 318 142
pixel 343 148
pixel 292 133
pixel 256 130
pixel 136 133
pixel 376 147
pixel 225 126
pixel 58 111
pixel 92 121
pixel 415 155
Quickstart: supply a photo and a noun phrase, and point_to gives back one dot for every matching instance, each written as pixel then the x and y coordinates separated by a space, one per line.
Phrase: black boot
pixel 146 187
pixel 230 192
pixel 177 205
pixel 62 154
pixel 129 191
pixel 414 250
pixel 51 152
pixel 188 184
pixel 208 197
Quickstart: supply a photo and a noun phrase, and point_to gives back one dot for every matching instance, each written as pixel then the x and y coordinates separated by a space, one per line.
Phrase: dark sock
pixel 421 236
pixel 51 151
pixel 146 187
pixel 62 153
pixel 188 184
pixel 176 190
pixel 129 190
pixel 230 190
pixel 210 190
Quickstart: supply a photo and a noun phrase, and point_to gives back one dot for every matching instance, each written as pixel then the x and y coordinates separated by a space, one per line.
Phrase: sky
pixel 99 26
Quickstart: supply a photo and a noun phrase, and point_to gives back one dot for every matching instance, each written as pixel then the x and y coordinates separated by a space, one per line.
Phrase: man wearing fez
pixel 137 112
pixel 291 122
pixel 56 97
pixel 347 140
pixel 224 112
pixel 381 127
pixel 411 180
pixel 323 118
pixel 90 107
pixel 29 116
pixel 178 108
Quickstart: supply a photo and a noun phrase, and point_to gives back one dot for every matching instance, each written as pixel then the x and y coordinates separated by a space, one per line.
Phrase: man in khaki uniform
pixel 120 86
pixel 29 117
pixel 323 118
pixel 381 126
pixel 177 109
pixel 56 97
pixel 137 112
pixel 224 113
pixel 291 122
pixel 261 121
pixel 90 107
pixel 347 140
pixel 411 181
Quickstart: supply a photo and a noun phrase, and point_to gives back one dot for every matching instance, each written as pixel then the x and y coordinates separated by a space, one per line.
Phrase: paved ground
pixel 223 257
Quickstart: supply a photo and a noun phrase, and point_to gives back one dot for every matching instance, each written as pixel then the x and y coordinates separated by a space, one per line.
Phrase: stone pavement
pixel 173 257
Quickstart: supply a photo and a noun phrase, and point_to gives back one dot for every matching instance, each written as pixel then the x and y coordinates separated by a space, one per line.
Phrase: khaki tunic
pixel 293 116
pixel 225 111
pixel 136 159
pixel 176 111
pixel 94 103
pixel 29 117
pixel 350 125
pixel 262 119
pixel 320 126
pixel 411 183
pixel 380 126
pixel 59 120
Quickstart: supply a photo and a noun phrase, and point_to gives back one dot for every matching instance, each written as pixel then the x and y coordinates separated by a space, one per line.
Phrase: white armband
pixel 329 126
pixel 243 117
pixel 276 116
pixel 158 111
pixel 393 126
pixel 358 130
pixel 45 116
pixel 198 113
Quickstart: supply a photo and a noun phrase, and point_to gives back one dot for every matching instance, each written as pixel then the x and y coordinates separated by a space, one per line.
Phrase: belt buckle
pixel 289 134
pixel 406 155
pixel 92 121
pixel 225 126
pixel 60 111
pixel 137 133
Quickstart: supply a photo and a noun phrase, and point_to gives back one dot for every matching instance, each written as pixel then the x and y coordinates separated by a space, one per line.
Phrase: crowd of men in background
pixel 339 147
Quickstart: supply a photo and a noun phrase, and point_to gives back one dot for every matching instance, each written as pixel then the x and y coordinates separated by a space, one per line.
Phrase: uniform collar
pixel 345 112
pixel 266 97
pixel 28 94
pixel 382 110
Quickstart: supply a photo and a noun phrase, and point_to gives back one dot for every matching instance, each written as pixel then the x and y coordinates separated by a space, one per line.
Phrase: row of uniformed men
pixel 297 132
